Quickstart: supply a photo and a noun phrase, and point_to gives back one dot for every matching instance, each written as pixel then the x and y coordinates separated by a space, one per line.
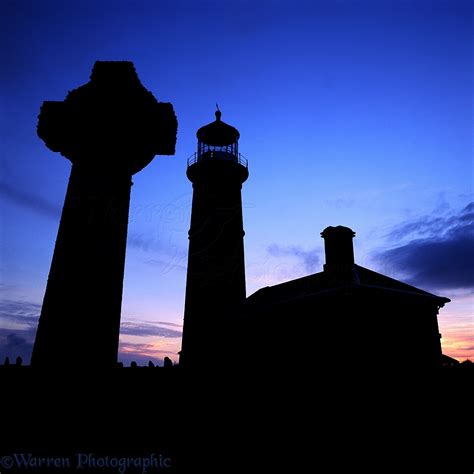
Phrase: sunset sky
pixel 351 112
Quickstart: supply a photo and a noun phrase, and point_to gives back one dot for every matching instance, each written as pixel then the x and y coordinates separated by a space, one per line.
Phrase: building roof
pixel 446 360
pixel 317 283
pixel 218 133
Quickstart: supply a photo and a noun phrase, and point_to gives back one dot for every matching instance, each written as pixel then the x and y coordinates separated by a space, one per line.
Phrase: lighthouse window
pixel 214 151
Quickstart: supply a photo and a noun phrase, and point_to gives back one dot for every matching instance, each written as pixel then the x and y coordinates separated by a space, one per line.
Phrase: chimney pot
pixel 338 246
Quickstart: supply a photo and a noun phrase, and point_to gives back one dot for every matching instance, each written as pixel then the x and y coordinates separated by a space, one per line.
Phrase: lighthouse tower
pixel 215 286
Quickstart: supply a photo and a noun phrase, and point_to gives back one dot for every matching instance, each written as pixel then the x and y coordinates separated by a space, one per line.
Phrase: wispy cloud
pixel 309 258
pixel 434 225
pixel 145 329
pixel 19 319
pixel 142 353
pixel 167 265
pixel 143 242
pixel 165 323
pixel 28 200
pixel 143 349
pixel 156 253
pixel 19 313
pixel 436 251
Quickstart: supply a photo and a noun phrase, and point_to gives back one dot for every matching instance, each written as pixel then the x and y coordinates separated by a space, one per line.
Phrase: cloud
pixel 19 319
pixel 28 200
pixel 170 257
pixel 437 251
pixel 142 242
pixel 154 350
pixel 16 344
pixel 434 225
pixel 309 258
pixel 22 313
pixel 167 265
pixel 145 329
pixel 25 315
pixel 164 323
pixel 457 340
pixel 142 353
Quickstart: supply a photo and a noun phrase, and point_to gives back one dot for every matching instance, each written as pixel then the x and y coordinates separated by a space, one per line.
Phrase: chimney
pixel 338 247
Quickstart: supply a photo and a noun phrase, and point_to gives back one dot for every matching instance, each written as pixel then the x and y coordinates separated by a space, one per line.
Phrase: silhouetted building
pixel 215 286
pixel 110 129
pixel 346 314
pixel 447 361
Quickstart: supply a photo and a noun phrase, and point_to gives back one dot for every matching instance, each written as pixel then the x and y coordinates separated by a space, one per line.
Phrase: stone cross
pixel 109 128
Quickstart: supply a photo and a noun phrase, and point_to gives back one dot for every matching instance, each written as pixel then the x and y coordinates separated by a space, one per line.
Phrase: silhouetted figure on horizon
pixel 133 364
pixel 19 361
pixel 110 129
pixel 151 364
pixel 7 362
pixel 168 363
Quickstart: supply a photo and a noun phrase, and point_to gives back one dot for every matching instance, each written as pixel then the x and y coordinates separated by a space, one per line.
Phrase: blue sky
pixel 351 112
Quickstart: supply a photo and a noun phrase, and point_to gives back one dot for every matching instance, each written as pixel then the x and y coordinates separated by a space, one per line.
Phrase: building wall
pixel 348 328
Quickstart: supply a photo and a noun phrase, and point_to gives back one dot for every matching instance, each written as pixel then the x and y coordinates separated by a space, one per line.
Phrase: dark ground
pixel 253 421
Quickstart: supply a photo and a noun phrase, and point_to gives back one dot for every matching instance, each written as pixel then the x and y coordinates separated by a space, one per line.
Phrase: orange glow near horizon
pixel 149 347
pixel 456 325
pixel 455 322
pixel 457 339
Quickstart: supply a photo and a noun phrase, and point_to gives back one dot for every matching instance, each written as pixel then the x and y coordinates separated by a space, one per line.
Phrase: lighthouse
pixel 215 285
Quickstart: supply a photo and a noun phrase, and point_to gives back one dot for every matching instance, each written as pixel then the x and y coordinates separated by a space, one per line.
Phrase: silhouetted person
pixel 151 364
pixel 7 361
pixel 110 129
pixel 19 361
pixel 168 363
pixel 133 364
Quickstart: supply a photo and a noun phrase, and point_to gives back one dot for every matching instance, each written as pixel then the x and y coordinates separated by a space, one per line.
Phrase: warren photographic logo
pixel 86 461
